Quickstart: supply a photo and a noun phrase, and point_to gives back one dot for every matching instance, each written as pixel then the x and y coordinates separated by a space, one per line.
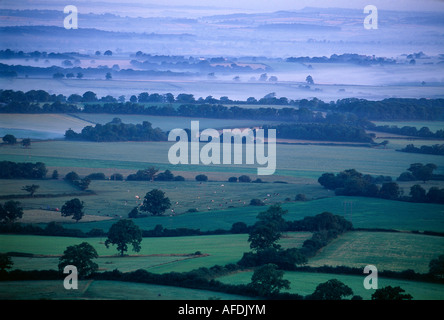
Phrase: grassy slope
pixel 304 283
pixel 109 290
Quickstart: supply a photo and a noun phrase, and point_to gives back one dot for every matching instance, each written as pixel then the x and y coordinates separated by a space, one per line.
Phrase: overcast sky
pixel 193 7
pixel 274 5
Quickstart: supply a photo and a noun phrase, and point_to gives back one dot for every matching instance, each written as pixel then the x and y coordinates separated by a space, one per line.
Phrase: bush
pixel 116 176
pixel 244 178
pixel 239 227
pixel 179 178
pixel 72 176
pixel 201 177
pixel 96 176
pixel 232 179
pixel 257 202
pixel 406 176
pixel 301 197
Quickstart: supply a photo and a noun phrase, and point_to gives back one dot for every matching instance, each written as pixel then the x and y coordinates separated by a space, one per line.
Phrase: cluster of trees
pixel 118 131
pixel 244 178
pixel 354 58
pixel 419 194
pixel 74 179
pixel 152 174
pixel 10 139
pixel 424 132
pixel 353 183
pixel 391 109
pixel 436 149
pixel 321 131
pixel 266 232
pixel 419 171
pixel 22 170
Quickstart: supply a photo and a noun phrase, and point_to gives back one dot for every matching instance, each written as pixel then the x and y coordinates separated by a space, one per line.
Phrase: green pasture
pixel 157 254
pixel 308 161
pixel 362 212
pixel 47 187
pixel 386 251
pixel 304 283
pixel 104 290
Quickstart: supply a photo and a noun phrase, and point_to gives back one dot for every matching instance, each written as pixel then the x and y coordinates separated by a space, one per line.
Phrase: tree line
pixel 424 132
pixel 22 170
pixel 386 109
pixel 116 130
pixel 322 132
pixel 353 183
pixel 436 149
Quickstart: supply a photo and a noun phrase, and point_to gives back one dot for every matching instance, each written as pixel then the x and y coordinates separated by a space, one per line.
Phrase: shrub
pixel 116 176
pixel 257 202
pixel 244 178
pixel 201 177
pixel 96 176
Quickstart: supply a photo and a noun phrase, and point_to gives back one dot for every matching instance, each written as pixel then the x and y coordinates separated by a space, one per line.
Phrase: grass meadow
pixel 386 251
pixel 157 255
pixel 307 161
pixel 304 283
pixel 105 290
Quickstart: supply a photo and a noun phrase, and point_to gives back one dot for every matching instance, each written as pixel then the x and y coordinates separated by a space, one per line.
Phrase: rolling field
pixel 305 283
pixel 365 213
pixel 221 206
pixel 157 255
pixel 53 126
pixel 386 251
pixel 308 161
pixel 104 290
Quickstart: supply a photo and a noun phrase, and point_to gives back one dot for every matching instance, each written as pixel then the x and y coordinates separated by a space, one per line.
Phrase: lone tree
pixel 436 267
pixel 5 262
pixel 267 230
pixel 10 211
pixel 122 233
pixel 155 202
pixel 309 79
pixel 73 207
pixel 31 189
pixel 80 256
pixel 9 139
pixel 331 290
pixel 391 293
pixel 268 280
pixel 201 177
pixel 26 143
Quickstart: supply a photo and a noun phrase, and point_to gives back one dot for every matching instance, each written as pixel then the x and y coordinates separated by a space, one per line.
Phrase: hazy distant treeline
pixel 40 101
